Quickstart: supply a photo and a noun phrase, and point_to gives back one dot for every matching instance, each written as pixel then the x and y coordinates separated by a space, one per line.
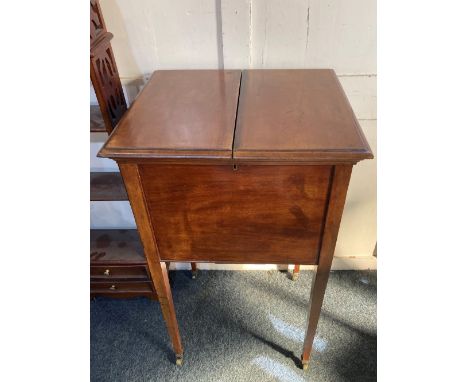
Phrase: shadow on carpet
pixel 240 326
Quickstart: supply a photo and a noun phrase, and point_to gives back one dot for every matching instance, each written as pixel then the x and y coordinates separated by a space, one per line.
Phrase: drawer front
pixel 120 287
pixel 251 213
pixel 119 272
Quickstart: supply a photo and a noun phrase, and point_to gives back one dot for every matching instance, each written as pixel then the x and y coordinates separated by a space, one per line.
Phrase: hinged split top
pixel 250 116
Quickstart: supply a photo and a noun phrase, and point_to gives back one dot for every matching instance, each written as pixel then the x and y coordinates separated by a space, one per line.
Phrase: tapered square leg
pixel 337 196
pixel 194 270
pixel 157 268
pixel 319 285
pixel 163 289
pixel 295 274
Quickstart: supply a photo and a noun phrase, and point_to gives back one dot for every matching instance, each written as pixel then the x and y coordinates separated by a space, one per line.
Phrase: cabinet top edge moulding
pixel 299 116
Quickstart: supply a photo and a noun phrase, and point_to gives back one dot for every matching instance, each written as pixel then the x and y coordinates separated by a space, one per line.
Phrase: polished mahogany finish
pixel 97 25
pixel 122 286
pixel 252 214
pixel 157 268
pixel 242 169
pixel 104 73
pixel 109 186
pixel 116 255
pixel 180 113
pixel 122 272
pixel 106 82
pixel 296 115
pixel 295 273
pixel 117 259
pixel 339 187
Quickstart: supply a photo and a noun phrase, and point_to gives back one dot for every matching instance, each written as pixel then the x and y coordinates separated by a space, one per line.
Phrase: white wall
pixel 338 34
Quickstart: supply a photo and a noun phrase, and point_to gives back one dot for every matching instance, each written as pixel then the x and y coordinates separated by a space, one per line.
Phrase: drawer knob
pixel 107 272
pixel 112 287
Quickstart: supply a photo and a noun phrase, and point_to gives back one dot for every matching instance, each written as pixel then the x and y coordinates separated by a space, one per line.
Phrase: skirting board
pixel 339 263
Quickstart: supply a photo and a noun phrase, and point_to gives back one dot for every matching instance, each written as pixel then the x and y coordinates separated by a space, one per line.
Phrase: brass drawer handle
pixel 112 287
pixel 107 272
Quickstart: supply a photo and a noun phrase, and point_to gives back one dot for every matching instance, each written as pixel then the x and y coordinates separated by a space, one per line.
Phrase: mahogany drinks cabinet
pixel 231 166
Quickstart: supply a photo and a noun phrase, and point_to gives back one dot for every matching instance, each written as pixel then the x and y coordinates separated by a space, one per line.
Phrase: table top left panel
pixel 179 114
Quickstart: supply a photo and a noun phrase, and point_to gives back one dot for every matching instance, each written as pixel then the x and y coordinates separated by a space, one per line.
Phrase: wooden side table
pixel 238 167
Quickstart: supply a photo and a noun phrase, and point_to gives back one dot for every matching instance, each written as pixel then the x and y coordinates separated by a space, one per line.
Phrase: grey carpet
pixel 240 326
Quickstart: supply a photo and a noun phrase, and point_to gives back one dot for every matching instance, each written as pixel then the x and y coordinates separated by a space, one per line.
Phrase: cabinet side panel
pixel 255 214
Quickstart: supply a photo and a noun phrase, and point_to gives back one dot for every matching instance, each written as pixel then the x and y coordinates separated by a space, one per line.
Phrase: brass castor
pixel 305 364
pixel 179 359
pixel 294 276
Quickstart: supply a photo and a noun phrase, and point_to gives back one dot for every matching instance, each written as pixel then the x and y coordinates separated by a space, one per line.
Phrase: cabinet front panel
pixel 257 214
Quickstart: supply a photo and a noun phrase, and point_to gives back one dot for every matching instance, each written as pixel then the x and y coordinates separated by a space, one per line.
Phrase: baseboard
pixel 339 263
pixel 354 263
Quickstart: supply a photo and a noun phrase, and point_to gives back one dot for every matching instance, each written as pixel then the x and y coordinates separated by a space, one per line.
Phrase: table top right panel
pixel 296 115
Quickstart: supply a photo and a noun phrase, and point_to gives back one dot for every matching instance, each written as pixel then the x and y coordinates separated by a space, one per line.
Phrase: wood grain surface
pixel 158 271
pixel 282 115
pixel 181 113
pixel 339 187
pixel 300 115
pixel 193 155
pixel 252 214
